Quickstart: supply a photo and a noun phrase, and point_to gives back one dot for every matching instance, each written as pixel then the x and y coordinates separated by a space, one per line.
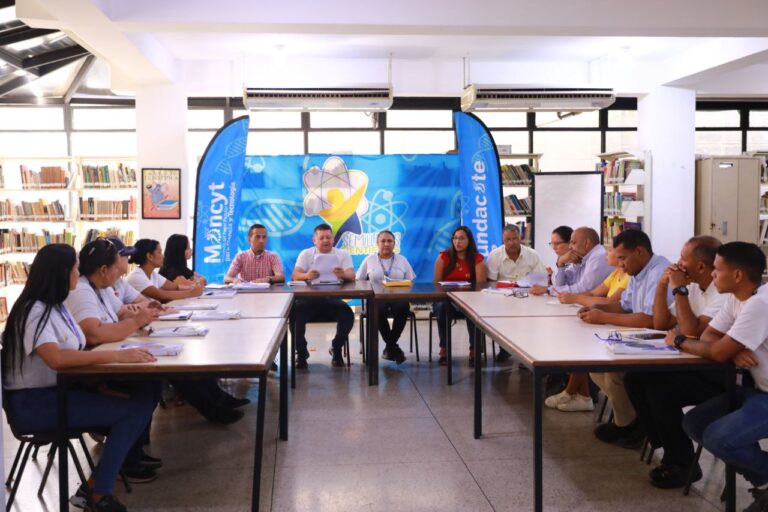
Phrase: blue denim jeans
pixel 35 410
pixel 734 437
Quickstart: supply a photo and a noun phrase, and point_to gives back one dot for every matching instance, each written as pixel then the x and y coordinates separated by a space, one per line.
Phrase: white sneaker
pixel 577 403
pixel 555 400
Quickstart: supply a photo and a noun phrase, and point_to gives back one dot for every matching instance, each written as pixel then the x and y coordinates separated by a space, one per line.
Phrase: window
pixel 567 151
pixel 717 119
pixel 103 118
pixel 342 120
pixel 31 118
pixel 419 119
pixel 33 144
pixel 422 141
pixel 757 141
pixel 622 118
pixel 103 144
pixel 205 118
pixel 567 119
pixel 622 141
pixel 503 119
pixel 718 143
pixel 271 119
pixel 275 143
pixel 518 140
pixel 758 119
pixel 361 143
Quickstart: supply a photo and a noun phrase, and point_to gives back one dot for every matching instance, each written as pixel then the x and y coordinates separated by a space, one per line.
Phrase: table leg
pixel 284 388
pixel 373 342
pixel 292 328
pixel 537 442
pixel 730 472
pixel 259 448
pixel 478 388
pixel 63 452
pixel 448 351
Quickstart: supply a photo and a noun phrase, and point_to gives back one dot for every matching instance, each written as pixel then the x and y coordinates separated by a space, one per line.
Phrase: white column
pixel 161 141
pixel 666 127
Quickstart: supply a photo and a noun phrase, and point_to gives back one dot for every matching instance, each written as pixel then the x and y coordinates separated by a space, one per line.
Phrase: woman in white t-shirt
pixel 377 267
pixel 42 337
pixel 147 281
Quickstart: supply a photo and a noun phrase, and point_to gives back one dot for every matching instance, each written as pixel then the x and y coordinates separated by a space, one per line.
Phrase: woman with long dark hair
pixel 149 257
pixel 461 262
pixel 42 337
pixel 177 251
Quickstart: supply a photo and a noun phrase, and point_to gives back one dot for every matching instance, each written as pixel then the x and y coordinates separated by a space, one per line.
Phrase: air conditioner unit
pixel 366 99
pixel 533 99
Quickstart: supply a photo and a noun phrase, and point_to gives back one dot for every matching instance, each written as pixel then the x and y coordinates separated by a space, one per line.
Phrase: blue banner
pixel 218 206
pixel 480 183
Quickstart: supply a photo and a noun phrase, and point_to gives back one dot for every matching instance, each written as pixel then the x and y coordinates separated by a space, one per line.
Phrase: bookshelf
pixel 62 200
pixel 626 197
pixel 763 213
pixel 517 172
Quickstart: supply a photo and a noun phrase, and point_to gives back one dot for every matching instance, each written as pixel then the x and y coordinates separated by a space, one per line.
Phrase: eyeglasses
pixel 520 294
pixel 554 244
pixel 459 238
pixel 612 337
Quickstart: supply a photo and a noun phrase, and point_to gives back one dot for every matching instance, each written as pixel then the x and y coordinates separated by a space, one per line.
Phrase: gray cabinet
pixel 728 198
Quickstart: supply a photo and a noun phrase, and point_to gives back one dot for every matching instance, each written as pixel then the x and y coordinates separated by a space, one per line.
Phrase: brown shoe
pixel 442 357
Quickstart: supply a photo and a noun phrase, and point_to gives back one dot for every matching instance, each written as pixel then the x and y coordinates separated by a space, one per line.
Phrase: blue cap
pixel 122 250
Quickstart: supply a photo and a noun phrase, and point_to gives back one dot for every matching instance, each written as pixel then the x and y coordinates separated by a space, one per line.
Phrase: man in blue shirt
pixel 635 254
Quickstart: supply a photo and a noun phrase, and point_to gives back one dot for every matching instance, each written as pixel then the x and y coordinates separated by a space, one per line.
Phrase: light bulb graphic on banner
pixel 336 194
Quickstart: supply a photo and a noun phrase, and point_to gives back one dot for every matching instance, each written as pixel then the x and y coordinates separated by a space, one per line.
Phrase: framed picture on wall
pixel 160 193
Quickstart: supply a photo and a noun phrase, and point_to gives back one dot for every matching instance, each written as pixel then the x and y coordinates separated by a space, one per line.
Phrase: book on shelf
pixel 516 175
pixel 2 178
pixel 763 232
pixel 101 209
pixel 525 232
pixel 46 177
pixel 17 272
pixel 40 210
pixel 613 201
pixel 13 241
pixel 764 203
pixel 516 206
pixel 615 172
pixel 612 226
pixel 93 234
pixel 103 176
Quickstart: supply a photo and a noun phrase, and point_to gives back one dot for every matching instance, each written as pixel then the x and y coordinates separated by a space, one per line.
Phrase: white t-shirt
pixel 140 282
pixel 747 323
pixel 703 303
pixel 374 268
pixel 60 328
pixel 125 292
pixel 85 301
pixel 307 257
pixel 501 267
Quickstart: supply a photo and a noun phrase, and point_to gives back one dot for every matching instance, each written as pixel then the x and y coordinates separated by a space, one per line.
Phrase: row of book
pixel 613 201
pixel 519 175
pixel 40 210
pixel 764 203
pixel 46 177
pixel 2 178
pixel 16 241
pixel 102 176
pixel 525 232
pixel 101 209
pixel 763 171
pixel 612 226
pixel 616 171
pixel 13 272
pixel 128 237
pixel 516 206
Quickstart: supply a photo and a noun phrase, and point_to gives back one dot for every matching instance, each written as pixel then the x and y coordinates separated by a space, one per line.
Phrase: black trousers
pixel 659 399
pixel 323 310
pixel 441 310
pixel 398 311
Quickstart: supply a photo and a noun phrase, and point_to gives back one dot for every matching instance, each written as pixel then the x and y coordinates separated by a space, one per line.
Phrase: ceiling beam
pixel 19 81
pixel 7 3
pixel 79 77
pixel 24 33
pixel 54 56
pixel 14 83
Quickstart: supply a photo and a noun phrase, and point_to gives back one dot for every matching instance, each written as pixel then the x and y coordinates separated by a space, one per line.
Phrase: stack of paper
pixel 182 331
pixel 648 347
pixel 396 282
pixel 218 286
pixel 156 349
pixel 180 315
pixel 448 284
pixel 504 292
pixel 191 306
pixel 534 278
pixel 246 286
pixel 221 314
pixel 218 294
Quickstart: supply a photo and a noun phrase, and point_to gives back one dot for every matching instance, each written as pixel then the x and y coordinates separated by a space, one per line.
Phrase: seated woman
pixel 559 241
pixel 576 397
pixel 149 257
pixel 177 251
pixel 377 267
pixel 461 262
pixel 42 337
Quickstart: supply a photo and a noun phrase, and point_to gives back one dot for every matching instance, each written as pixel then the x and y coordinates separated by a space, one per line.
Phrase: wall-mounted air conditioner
pixel 366 99
pixel 534 99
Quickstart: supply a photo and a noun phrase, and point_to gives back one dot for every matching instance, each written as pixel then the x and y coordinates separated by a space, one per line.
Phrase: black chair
pixel 345 351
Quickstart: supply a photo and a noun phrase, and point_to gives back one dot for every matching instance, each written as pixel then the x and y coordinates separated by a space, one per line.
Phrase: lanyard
pixel 384 270
pixel 71 323
pixel 104 306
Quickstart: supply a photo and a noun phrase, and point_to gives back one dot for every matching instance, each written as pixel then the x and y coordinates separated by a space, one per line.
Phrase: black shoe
pixel 611 433
pixel 81 497
pixel 108 503
pixel 232 402
pixel 139 475
pixel 397 354
pixel 222 415
pixel 503 356
pixel 673 477
pixel 301 364
pixel 386 355
pixel 150 462
pixel 632 438
pixel 336 360
pixel 302 353
pixel 760 503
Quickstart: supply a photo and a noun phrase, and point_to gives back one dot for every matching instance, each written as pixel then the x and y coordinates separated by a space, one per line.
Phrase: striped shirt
pixel 250 266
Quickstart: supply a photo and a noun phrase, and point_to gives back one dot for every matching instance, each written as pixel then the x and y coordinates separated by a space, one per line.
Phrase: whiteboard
pixel 570 199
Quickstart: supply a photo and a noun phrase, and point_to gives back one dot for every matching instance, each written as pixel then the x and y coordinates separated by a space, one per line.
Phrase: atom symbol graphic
pixel 384 213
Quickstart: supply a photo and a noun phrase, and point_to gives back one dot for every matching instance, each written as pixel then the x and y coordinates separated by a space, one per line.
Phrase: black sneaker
pixel 609 432
pixel 150 462
pixel 502 356
pixel 223 415
pixel 336 360
pixel 673 477
pixel 761 500
pixel 301 363
pixel 81 497
pixel 385 354
pixel 397 355
pixel 232 402
pixel 108 503
pixel 139 475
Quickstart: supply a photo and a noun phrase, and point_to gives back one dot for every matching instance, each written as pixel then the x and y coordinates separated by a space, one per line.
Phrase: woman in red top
pixel 453 265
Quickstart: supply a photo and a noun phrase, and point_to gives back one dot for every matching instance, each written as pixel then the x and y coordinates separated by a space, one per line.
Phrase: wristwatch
pixel 682 290
pixel 679 339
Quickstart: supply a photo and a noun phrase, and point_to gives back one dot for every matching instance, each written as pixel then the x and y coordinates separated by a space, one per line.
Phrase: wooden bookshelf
pixel 517 172
pixel 626 198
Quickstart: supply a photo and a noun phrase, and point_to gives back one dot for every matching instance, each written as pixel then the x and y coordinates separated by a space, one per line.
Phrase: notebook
pixel 218 294
pixel 179 315
pixel 220 314
pixel 156 349
pixel 182 331
pixel 189 306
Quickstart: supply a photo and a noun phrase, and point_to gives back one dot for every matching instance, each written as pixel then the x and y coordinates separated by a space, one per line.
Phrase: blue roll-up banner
pixel 420 198
pixel 218 206
pixel 480 185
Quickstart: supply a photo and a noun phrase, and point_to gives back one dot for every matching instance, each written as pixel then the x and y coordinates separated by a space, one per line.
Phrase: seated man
pixel 256 265
pixel 635 256
pixel 659 397
pixel 512 262
pixel 308 310
pixel 738 333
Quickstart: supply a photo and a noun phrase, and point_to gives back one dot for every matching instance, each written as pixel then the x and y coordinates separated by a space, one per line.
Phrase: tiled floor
pixel 404 445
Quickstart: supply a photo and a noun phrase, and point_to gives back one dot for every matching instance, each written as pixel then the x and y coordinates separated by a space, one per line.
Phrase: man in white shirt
pixel 308 310
pixel 659 397
pixel 738 333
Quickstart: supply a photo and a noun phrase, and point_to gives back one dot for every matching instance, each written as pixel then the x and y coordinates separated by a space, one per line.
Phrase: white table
pixel 491 304
pixel 250 305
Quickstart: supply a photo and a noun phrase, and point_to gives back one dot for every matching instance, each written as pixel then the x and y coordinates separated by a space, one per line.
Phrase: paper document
pixel 297 283
pixel 637 341
pixel 218 286
pixel 555 302
pixel 504 292
pixel 190 306
pixel 179 315
pixel 396 282
pixel 218 294
pixel 156 349
pixel 221 314
pixel 247 285
pixel 534 278
pixel 449 284
pixel 324 264
pixel 182 331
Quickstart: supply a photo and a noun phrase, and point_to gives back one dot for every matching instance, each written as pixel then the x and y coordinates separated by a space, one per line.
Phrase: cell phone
pixel 648 336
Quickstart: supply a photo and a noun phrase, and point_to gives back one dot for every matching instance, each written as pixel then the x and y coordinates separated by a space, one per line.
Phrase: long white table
pixel 232 348
pixel 490 304
pixel 250 305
